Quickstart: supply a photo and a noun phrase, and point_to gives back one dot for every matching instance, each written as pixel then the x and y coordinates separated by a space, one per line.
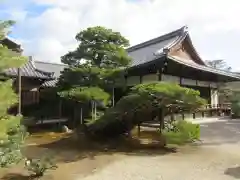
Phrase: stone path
pixel 217 158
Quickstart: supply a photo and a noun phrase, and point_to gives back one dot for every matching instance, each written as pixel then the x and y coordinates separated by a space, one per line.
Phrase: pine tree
pixel 93 66
pixel 11 132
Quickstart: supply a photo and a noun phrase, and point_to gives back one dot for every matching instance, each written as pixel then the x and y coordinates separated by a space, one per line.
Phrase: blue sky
pixel 46 28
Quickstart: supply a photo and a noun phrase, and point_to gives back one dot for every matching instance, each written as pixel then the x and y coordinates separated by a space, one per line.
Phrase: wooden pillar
pixel 161 119
pixel 95 110
pixel 59 113
pixel 81 115
pixel 159 75
pixel 183 116
pixel 180 81
pixel 60 109
pixel 194 115
pixel 139 129
pixel 37 95
pixel 19 92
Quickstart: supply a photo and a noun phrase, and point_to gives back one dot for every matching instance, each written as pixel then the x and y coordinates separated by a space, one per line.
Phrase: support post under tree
pixel 81 115
pixel 161 119
pixel 92 107
pixel 139 128
pixel 60 112
pixel 95 110
pixel 113 96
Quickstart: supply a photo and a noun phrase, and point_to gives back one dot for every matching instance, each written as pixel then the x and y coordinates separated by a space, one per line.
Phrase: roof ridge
pixel 179 32
pixel 43 62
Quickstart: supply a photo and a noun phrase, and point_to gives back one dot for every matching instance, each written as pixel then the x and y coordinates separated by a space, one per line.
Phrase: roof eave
pixel 214 71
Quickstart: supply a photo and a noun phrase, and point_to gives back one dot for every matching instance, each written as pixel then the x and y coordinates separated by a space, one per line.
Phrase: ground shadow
pixel 16 176
pixel 72 149
pixel 234 172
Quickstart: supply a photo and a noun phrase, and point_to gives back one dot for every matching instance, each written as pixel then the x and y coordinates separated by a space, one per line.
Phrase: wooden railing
pixel 218 106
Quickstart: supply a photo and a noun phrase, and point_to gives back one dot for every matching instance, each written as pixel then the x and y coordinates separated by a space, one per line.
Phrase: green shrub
pixel 39 166
pixel 235 104
pixel 184 132
pixel 11 141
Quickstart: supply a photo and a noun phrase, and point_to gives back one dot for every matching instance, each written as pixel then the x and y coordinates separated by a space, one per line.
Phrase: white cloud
pixel 52 32
pixel 17 14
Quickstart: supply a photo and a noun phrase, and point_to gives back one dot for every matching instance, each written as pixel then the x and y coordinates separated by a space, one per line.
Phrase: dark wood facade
pixel 27 79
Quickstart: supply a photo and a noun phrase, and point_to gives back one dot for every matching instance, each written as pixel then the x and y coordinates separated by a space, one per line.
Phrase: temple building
pixel 173 58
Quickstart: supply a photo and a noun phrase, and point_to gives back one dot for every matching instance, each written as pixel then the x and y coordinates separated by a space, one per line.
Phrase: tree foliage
pixel 145 101
pixel 99 47
pixel 170 95
pixel 11 132
pixel 86 94
pixel 94 65
pixel 235 103
pixel 225 92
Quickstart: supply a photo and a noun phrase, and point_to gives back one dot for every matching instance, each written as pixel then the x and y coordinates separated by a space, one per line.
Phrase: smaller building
pixel 34 75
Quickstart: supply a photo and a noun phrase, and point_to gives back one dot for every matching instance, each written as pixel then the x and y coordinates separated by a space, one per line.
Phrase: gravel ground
pixel 217 158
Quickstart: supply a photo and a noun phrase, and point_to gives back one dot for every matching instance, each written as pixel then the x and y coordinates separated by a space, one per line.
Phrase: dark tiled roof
pixel 11 44
pixel 51 83
pixel 203 67
pixel 150 50
pixel 29 70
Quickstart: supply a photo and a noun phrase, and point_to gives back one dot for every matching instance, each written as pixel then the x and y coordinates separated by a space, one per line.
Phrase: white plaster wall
pixel 233 85
pixel 133 80
pixel 150 78
pixel 190 82
pixel 203 83
pixel 213 84
pixel 169 78
pixel 120 81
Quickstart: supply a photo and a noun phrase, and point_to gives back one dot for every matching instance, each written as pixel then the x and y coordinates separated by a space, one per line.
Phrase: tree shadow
pixel 234 172
pixel 16 176
pixel 70 149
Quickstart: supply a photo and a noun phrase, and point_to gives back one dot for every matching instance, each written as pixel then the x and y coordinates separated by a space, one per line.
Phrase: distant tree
pixel 219 64
pixel 224 92
pixel 97 61
pixel 11 132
